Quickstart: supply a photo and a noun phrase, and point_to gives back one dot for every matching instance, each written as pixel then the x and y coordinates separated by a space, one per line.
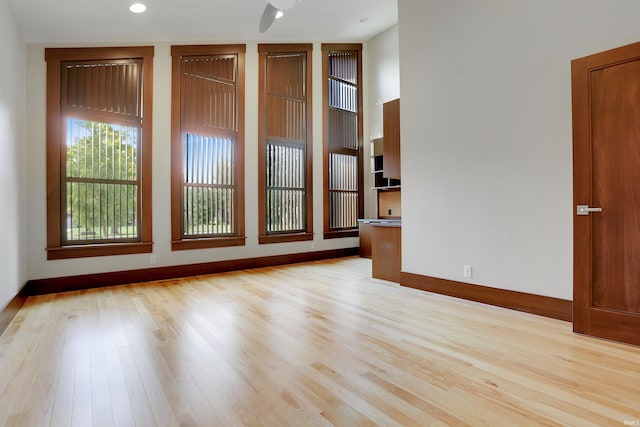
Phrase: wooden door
pixel 606 151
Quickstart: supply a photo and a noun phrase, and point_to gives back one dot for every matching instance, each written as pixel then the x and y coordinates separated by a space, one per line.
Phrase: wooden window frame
pixel 264 238
pixel 55 143
pixel 330 233
pixel 177 241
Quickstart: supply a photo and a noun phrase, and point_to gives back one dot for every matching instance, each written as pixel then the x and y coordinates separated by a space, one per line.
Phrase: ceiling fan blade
pixel 268 16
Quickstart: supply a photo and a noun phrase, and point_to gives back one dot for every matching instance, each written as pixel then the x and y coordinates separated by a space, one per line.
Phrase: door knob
pixel 586 210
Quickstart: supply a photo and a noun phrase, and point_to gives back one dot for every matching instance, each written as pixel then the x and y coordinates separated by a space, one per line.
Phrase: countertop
pixel 382 222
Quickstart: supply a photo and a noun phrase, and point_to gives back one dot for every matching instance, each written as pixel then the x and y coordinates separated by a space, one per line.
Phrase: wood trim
pixel 262 138
pixel 176 146
pixel 89 281
pixel 240 157
pixel 11 309
pixel 284 238
pixel 96 53
pixel 102 249
pixel 358 47
pixel 288 47
pixel 54 223
pixel 328 47
pixel 535 304
pixel 146 205
pixel 326 209
pixel 207 49
pixel 309 151
pixel 215 242
pixel 581 194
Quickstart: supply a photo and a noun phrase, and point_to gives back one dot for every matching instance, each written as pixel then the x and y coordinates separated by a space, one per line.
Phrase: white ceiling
pixel 74 21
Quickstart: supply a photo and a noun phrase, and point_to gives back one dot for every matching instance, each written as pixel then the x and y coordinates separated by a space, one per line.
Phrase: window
pixel 342 106
pixel 207 149
pixel 285 150
pixel 98 151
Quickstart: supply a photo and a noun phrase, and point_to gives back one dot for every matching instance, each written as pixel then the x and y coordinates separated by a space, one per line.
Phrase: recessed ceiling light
pixel 137 8
pixel 279 14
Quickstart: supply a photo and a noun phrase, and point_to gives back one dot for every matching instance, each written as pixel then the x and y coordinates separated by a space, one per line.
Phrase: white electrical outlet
pixel 153 258
pixel 467 271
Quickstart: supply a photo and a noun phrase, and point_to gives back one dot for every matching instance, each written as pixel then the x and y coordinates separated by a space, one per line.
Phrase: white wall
pixel 382 77
pixel 486 134
pixel 39 267
pixel 383 72
pixel 12 172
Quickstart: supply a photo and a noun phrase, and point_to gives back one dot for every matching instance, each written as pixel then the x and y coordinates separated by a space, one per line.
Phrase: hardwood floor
pixel 310 344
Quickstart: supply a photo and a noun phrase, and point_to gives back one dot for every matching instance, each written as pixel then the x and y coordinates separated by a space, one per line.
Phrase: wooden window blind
pixel 285 143
pixel 112 87
pixel 343 176
pixel 208 146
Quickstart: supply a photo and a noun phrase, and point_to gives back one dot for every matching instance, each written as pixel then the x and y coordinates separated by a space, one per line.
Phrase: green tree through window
pixel 209 188
pixel 101 181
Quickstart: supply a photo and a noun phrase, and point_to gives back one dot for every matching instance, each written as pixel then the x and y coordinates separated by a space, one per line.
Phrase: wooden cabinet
pixel 365 231
pixel 386 256
pixel 391 136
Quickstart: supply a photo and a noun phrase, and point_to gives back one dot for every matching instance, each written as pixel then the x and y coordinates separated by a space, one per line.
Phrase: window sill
pixel 103 249
pixel 337 234
pixel 214 242
pixel 284 238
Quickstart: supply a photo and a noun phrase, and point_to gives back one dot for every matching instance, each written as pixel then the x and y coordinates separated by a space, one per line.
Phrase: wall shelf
pixel 380 181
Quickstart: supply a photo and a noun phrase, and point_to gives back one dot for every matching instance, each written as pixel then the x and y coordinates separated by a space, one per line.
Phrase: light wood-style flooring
pixel 313 344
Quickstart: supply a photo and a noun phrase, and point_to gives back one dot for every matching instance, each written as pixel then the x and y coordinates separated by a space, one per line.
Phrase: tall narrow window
pixel 285 148
pixel 343 176
pixel 207 146
pixel 98 151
